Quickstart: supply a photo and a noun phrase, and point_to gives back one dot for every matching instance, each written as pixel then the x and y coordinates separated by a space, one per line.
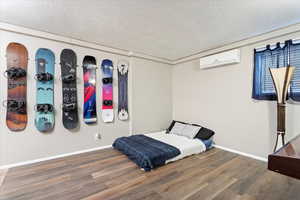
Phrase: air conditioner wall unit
pixel 221 59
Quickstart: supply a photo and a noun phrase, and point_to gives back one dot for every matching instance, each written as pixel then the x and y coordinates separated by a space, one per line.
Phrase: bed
pixel 152 150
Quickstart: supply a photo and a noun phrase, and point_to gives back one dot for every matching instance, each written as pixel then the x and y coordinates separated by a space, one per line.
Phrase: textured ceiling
pixel 169 29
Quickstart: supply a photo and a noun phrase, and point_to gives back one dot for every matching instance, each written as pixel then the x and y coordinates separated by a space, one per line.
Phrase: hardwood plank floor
pixel 108 174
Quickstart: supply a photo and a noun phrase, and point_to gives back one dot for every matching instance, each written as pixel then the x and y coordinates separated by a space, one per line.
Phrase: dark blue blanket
pixel 146 152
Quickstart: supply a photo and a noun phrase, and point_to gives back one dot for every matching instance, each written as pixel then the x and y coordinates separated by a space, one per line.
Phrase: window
pixel 275 56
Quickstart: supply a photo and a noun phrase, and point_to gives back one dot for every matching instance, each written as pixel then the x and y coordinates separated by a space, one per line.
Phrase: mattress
pixel 186 146
pixel 146 152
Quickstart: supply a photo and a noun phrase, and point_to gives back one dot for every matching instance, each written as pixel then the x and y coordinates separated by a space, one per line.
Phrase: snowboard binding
pixel 107 80
pixel 123 67
pixel 89 66
pixel 123 114
pixel 16 106
pixel 14 85
pixel 43 77
pixel 15 72
pixel 44 108
pixel 68 107
pixel 108 102
pixel 66 64
pixel 69 78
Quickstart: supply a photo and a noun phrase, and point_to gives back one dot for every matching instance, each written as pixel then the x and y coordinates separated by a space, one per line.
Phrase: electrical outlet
pixel 98 136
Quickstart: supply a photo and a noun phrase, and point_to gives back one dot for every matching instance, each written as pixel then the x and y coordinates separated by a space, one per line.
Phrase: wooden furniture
pixel 287 159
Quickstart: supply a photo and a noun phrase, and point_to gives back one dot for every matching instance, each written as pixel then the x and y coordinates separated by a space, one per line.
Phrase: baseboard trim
pixel 53 157
pixel 242 153
pixel 109 146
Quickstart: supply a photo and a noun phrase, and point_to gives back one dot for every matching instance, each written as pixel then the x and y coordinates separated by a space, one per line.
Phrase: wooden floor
pixel 107 174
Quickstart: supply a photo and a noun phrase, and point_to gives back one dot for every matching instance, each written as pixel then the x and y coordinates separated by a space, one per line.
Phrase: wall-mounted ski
pixel 68 62
pixel 17 60
pixel 44 118
pixel 107 91
pixel 89 77
pixel 123 90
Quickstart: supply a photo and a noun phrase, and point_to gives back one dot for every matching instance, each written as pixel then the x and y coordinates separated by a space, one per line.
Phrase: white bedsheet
pixel 186 146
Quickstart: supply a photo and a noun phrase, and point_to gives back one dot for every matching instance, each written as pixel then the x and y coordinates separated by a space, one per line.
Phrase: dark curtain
pixel 280 55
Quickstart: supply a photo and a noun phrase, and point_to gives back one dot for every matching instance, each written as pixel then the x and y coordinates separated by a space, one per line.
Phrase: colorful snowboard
pixel 107 91
pixel 44 118
pixel 17 60
pixel 89 77
pixel 68 63
pixel 123 90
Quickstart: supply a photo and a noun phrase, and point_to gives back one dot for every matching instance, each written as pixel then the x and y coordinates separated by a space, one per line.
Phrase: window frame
pixel 259 77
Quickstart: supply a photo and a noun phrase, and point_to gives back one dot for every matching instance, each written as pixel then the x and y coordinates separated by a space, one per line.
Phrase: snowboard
pixel 107 91
pixel 123 90
pixel 44 116
pixel 16 73
pixel 89 77
pixel 68 62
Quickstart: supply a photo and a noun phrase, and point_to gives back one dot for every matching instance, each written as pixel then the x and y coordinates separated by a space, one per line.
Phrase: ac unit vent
pixel 221 59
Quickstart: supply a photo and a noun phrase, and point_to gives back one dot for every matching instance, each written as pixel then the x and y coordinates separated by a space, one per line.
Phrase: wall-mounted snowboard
pixel 68 62
pixel 89 77
pixel 107 90
pixel 44 118
pixel 123 90
pixel 17 60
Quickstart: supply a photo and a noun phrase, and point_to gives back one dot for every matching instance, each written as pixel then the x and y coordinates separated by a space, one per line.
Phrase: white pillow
pixel 177 128
pixel 189 131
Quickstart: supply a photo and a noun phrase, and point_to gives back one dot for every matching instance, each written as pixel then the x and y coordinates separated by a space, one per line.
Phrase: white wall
pixel 30 144
pixel 151 91
pixel 220 99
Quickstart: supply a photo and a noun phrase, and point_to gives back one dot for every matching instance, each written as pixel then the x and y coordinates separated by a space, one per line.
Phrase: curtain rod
pixel 275 44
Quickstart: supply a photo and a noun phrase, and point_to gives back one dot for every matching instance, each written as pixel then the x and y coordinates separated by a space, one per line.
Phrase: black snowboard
pixel 123 90
pixel 68 63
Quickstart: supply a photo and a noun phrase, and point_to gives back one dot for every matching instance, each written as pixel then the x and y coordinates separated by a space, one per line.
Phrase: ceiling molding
pixel 238 44
pixel 72 41
pixel 151 58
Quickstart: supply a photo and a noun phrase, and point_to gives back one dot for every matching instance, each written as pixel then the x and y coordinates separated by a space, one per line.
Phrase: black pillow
pixel 197 125
pixel 172 124
pixel 204 133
